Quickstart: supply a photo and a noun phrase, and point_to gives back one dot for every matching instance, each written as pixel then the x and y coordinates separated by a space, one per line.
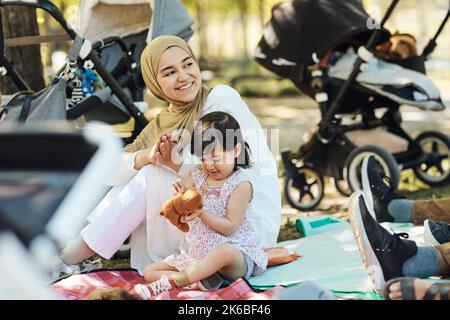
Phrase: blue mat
pixel 330 259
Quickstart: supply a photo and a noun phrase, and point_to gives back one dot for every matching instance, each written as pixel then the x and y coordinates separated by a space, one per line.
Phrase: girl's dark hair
pixel 220 128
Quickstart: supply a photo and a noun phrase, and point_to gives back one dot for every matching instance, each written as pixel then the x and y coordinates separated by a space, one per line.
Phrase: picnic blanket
pixel 79 286
pixel 331 259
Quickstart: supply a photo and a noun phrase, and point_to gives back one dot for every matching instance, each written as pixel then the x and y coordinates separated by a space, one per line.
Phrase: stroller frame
pixel 330 141
pixel 53 10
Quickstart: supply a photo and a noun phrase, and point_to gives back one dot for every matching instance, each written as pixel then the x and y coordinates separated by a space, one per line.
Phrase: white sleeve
pixel 125 169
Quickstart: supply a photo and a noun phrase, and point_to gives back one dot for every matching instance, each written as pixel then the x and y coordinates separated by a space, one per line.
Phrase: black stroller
pixel 118 34
pixel 325 47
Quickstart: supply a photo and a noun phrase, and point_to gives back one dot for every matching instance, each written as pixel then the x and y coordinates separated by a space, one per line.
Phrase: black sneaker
pixel 436 232
pixel 383 253
pixel 377 189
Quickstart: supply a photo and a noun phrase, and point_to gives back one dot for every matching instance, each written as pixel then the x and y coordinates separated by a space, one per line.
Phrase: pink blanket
pixel 79 286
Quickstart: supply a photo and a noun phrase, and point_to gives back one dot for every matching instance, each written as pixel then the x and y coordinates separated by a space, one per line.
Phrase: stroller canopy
pixel 301 28
pixel 99 19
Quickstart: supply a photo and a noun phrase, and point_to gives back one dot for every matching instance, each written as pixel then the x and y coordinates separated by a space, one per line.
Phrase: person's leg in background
pixel 387 256
pixel 404 210
pixel 435 209
pixel 419 289
pixel 444 250
pixel 390 206
pixel 427 262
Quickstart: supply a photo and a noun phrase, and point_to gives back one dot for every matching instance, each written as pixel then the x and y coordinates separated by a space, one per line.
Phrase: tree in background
pixel 199 11
pixel 261 12
pixel 243 7
pixel 209 13
pixel 202 25
pixel 20 22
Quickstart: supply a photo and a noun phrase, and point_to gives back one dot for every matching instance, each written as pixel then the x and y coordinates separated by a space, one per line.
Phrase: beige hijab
pixel 178 115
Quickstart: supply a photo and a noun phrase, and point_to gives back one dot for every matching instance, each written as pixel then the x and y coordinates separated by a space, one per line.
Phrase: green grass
pixel 116 263
pixel 412 188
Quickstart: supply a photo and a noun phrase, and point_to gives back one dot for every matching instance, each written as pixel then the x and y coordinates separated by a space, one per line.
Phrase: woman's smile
pixel 187 86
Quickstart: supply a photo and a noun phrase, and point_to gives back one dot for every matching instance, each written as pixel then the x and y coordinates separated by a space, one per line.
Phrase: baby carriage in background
pixel 105 82
pixel 327 49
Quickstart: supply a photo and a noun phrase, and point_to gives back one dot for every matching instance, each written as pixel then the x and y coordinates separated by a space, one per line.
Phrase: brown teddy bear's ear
pixel 166 206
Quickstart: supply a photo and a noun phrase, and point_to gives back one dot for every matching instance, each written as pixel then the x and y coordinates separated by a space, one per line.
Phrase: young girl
pixel 221 238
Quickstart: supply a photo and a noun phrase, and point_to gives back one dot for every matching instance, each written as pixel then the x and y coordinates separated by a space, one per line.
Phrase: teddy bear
pixel 111 294
pixel 183 203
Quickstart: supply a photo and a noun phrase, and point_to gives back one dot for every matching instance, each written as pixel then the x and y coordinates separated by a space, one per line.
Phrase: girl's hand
pixel 191 216
pixel 178 186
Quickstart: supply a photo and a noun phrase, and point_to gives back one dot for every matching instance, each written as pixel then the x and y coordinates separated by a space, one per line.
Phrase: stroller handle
pixel 432 44
pixel 335 106
pixel 54 11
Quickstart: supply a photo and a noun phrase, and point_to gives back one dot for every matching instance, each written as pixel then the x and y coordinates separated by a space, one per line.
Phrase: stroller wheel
pixel 305 189
pixel 435 170
pixel 352 169
pixel 342 187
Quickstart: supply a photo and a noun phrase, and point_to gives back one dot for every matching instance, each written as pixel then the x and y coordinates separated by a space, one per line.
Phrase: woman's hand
pixel 147 156
pixel 143 158
pixel 167 152
pixel 163 152
pixel 189 217
pixel 151 155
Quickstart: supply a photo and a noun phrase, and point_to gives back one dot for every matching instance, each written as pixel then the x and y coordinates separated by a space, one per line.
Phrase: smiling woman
pixel 143 181
pixel 179 75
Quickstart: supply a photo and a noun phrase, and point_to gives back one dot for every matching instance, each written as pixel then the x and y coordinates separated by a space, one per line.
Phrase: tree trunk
pixel 243 12
pixel 202 14
pixel 19 22
pixel 261 7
